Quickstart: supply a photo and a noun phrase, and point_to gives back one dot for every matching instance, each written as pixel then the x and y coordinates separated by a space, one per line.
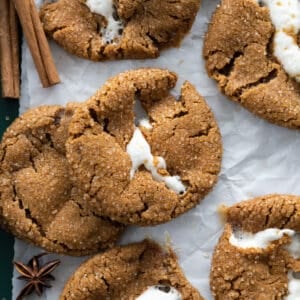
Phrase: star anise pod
pixel 36 276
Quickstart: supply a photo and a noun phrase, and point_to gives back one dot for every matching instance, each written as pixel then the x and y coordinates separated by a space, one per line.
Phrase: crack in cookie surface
pixel 259 261
pixel 183 132
pixel 126 272
pixel 39 202
pixel 147 26
pixel 238 50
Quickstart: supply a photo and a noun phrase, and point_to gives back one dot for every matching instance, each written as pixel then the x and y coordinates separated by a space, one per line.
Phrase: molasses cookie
pixel 258 255
pixel 38 201
pixel 101 30
pixel 149 167
pixel 138 271
pixel 252 51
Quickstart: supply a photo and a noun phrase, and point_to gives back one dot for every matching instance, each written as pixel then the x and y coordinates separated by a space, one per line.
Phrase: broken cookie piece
pixel 251 49
pixel 144 168
pixel 258 254
pixel 140 271
pixel 101 30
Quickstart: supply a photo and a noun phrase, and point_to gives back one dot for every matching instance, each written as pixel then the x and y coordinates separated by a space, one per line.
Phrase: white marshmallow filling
pixel 285 16
pixel 160 292
pixel 140 154
pixel 105 8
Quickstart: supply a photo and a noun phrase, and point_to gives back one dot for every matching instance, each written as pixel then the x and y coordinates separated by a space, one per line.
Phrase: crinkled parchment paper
pixel 259 158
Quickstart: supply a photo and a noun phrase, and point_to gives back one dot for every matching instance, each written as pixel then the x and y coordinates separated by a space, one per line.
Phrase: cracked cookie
pixel 258 254
pixel 38 201
pixel 150 166
pixel 137 271
pixel 251 50
pixel 101 30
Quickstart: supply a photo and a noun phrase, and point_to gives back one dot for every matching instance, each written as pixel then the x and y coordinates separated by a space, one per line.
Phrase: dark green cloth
pixel 8 112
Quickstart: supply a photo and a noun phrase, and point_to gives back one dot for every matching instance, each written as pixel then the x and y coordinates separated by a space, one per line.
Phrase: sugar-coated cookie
pixel 38 201
pixel 149 168
pixel 258 254
pixel 252 51
pixel 140 271
pixel 101 30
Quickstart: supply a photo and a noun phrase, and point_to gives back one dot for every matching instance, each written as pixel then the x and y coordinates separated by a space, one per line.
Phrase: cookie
pixel 251 51
pixel 138 271
pixel 101 30
pixel 150 167
pixel 258 254
pixel 38 201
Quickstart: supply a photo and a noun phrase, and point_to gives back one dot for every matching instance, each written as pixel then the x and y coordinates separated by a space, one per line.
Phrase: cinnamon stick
pixel 9 50
pixel 37 41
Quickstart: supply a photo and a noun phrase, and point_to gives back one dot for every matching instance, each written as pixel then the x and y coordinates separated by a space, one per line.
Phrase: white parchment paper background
pixel 259 158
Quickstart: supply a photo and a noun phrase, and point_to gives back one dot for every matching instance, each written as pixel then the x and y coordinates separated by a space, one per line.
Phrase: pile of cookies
pixel 72 178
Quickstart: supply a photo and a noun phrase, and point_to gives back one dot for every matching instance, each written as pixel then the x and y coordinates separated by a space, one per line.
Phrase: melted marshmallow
pixel 293 287
pixel 285 16
pixel 106 9
pixel 157 293
pixel 140 153
pixel 145 123
pixel 260 239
